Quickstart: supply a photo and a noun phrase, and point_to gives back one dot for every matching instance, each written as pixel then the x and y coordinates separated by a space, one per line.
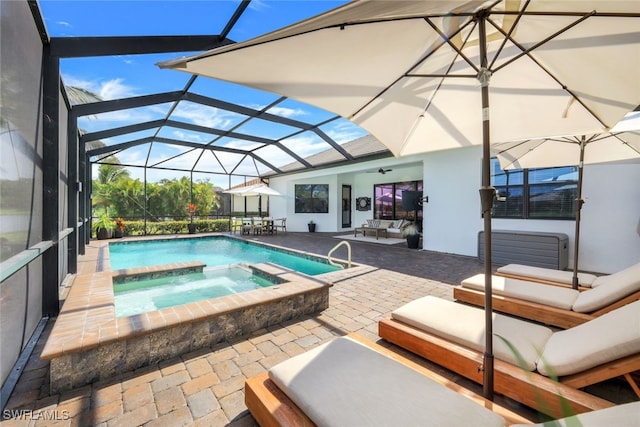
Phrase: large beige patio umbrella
pixel 254 190
pixel 419 75
pixel 569 151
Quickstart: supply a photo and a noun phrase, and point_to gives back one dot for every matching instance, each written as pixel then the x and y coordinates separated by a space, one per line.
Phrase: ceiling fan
pixel 381 171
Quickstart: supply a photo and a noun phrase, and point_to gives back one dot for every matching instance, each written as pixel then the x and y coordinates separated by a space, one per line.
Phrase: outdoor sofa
pixel 353 381
pixel 554 305
pixel 452 335
pixel 394 227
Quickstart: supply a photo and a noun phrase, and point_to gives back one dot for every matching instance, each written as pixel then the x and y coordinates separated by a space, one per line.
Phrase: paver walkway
pixel 205 388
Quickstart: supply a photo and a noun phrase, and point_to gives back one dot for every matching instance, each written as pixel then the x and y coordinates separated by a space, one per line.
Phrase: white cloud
pixel 306 145
pixel 240 144
pixel 109 89
pixel 288 112
pixel 203 115
pixel 344 131
pixel 187 136
pixel 115 89
pixel 258 5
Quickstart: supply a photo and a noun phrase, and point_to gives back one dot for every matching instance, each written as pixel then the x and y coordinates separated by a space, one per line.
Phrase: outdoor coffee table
pixel 364 230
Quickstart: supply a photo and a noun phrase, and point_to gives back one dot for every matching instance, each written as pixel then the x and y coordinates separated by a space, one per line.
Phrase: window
pixel 388 200
pixel 547 193
pixel 312 198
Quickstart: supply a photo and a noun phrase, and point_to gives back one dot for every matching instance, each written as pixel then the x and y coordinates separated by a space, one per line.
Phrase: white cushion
pixel 553 296
pixel 345 383
pixel 626 274
pixel 606 338
pixel 465 325
pixel 385 223
pixel 627 415
pixel 560 276
pixel 609 289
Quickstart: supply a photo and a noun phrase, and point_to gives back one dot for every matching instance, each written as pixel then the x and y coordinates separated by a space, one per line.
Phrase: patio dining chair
pixel 247 226
pixel 236 225
pixel 256 225
pixel 280 224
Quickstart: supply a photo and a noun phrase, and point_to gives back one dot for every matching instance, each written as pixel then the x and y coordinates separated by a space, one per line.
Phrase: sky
pixel 134 75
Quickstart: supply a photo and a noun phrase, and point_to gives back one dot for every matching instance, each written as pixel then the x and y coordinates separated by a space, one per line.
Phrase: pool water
pixel 142 296
pixel 213 251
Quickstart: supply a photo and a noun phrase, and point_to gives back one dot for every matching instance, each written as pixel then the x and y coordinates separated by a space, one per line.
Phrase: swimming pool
pixel 142 296
pixel 213 251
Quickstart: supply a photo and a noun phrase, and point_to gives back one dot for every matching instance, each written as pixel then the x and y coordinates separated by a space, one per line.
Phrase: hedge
pixel 136 228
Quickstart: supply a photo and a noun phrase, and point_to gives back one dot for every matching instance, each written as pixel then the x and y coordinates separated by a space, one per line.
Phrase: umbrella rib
pixel 444 40
pixel 508 35
pixel 447 40
pixel 527 52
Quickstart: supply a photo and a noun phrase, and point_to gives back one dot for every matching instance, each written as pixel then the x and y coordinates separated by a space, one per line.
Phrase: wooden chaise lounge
pixel 554 305
pixel 351 381
pixel 452 335
pixel 438 399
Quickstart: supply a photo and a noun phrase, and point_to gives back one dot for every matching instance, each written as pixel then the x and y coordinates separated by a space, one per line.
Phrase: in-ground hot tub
pixel 89 343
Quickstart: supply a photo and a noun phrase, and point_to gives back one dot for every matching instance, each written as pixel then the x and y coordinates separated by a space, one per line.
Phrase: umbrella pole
pixel 579 203
pixel 487 194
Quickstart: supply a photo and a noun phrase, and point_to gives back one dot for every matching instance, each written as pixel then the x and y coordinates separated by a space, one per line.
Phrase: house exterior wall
pixel 356 175
pixel 609 239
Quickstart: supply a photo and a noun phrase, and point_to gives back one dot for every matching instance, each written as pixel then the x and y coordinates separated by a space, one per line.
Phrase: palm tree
pixel 78 95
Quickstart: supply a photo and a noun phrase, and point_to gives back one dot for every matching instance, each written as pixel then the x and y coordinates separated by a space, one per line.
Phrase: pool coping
pixel 88 319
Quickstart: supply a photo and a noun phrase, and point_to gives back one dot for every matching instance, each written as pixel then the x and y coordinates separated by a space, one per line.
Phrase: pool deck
pixel 206 387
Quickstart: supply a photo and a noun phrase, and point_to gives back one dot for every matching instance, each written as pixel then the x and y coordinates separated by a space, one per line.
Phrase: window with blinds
pixel 546 193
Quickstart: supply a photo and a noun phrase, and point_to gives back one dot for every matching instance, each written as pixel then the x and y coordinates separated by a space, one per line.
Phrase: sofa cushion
pixel 560 276
pixel 604 339
pixel 609 289
pixel 345 383
pixel 465 325
pixel 553 296
pixel 385 223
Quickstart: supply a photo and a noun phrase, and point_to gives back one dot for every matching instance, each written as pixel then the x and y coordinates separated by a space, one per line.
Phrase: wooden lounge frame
pixel 535 311
pixel 271 407
pixel 530 388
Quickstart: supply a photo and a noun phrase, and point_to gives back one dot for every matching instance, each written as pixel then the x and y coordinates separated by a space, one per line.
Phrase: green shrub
pixel 136 228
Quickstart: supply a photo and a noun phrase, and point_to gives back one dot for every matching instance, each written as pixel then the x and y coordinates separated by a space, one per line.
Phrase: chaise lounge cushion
pixel 553 296
pixel 609 289
pixel 560 276
pixel 612 336
pixel 344 383
pixel 627 414
pixel 465 326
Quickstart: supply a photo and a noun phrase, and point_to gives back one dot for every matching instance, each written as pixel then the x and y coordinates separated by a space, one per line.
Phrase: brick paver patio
pixel 205 388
